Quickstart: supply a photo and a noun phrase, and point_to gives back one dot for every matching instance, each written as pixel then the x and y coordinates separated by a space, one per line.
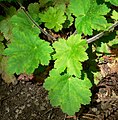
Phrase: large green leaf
pixel 54 17
pixel 26 52
pixel 69 54
pixel 67 92
pixel 89 15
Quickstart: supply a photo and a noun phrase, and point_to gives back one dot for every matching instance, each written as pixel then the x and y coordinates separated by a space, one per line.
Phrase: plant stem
pixel 43 31
pixel 96 37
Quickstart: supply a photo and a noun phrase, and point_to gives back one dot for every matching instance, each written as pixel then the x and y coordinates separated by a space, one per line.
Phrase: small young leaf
pixel 89 16
pixel 69 54
pixel 114 15
pixel 67 92
pixel 26 52
pixel 114 41
pixel 54 17
pixel 103 48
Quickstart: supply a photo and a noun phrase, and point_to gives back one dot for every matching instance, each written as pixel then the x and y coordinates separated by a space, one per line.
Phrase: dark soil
pixel 26 101
pixel 29 101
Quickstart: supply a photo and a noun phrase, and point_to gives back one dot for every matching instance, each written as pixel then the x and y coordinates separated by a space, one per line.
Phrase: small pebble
pixel 28 105
pixel 42 108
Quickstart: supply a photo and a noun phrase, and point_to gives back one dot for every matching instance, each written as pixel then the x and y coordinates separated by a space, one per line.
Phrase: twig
pixel 96 37
pixel 99 35
pixel 28 15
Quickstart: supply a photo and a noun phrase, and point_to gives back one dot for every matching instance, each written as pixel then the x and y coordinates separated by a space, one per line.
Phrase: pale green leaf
pixel 69 54
pixel 114 41
pixel 103 48
pixel 89 15
pixel 67 92
pixel 54 17
pixel 26 52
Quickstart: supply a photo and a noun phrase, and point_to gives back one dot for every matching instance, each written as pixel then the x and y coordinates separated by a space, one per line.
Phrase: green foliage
pixel 114 15
pixel 54 17
pixel 110 41
pixel 67 92
pixel 69 54
pixel 89 16
pixel 67 83
pixel 28 50
pixel 114 41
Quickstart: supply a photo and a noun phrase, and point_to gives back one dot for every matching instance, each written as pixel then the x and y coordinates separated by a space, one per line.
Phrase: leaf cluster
pixel 67 83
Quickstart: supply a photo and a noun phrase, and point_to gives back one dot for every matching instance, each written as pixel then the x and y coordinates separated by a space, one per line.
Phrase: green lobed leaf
pixel 69 54
pixel 23 23
pixel 26 52
pixel 54 17
pixel 114 15
pixel 89 16
pixel 67 92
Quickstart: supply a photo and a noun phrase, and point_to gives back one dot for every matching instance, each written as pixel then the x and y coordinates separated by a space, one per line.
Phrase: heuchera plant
pixel 67 83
